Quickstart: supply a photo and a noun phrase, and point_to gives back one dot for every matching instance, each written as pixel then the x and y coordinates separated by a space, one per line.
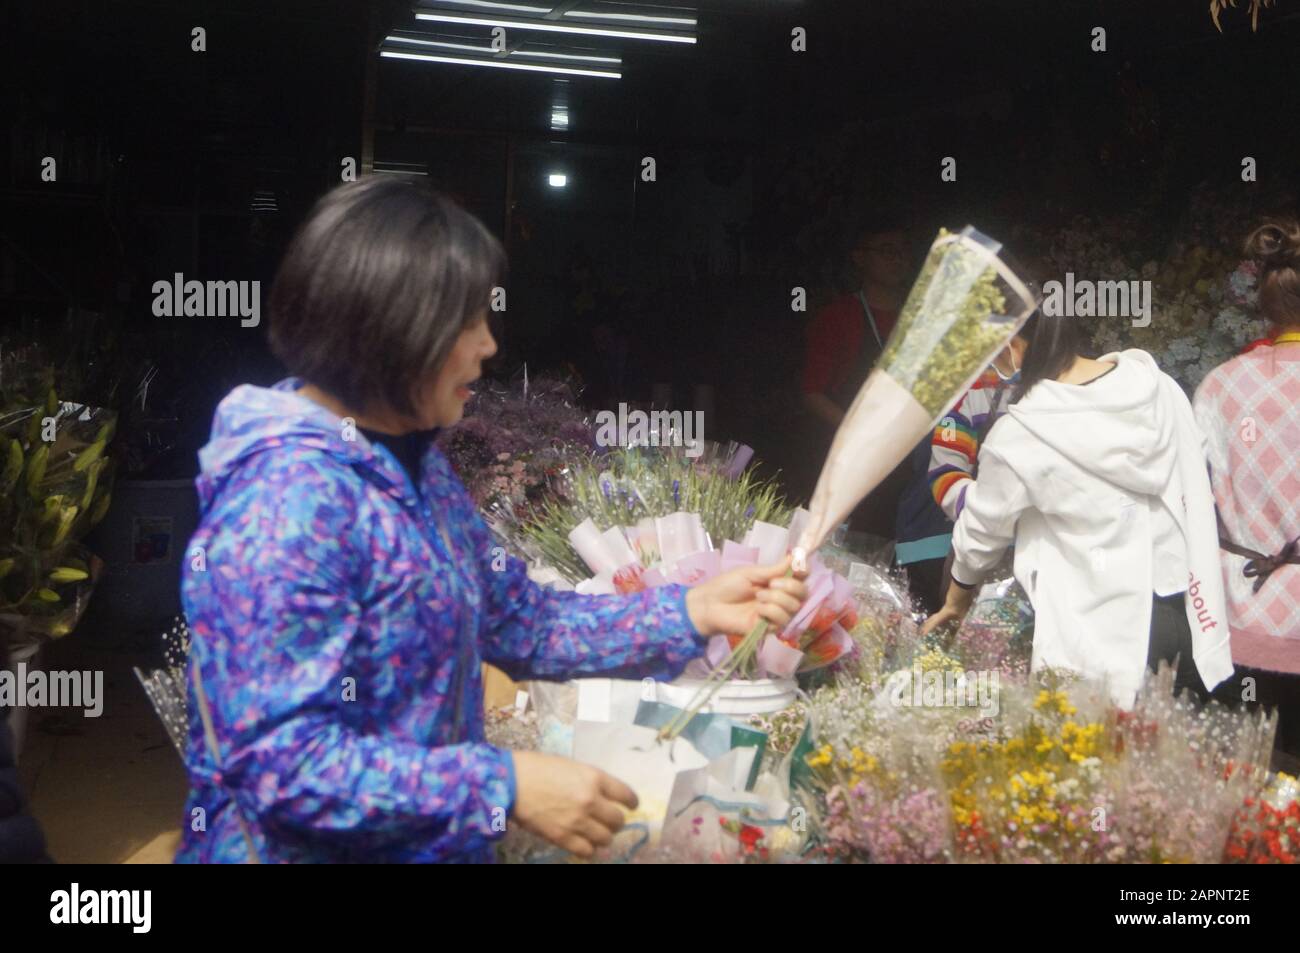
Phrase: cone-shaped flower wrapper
pixel 965 306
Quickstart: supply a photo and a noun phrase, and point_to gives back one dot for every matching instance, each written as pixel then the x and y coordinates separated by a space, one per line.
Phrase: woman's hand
pixel 734 601
pixel 573 805
pixel 956 604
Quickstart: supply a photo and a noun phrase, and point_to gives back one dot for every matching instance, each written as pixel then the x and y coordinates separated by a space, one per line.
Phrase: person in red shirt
pixel 847 335
pixel 843 342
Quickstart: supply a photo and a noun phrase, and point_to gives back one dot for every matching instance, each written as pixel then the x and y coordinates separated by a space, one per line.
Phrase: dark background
pixel 204 162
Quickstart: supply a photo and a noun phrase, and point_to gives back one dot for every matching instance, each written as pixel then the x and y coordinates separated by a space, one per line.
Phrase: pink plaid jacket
pixel 1249 410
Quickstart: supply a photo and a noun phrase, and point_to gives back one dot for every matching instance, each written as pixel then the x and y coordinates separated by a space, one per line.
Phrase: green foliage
pixel 51 494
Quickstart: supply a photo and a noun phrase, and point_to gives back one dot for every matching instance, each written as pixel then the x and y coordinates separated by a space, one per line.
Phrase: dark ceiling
pixel 129 62
pixel 172 159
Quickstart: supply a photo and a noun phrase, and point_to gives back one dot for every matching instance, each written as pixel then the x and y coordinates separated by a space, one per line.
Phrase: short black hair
pixel 375 288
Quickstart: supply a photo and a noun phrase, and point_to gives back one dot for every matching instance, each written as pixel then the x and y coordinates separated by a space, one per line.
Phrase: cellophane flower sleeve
pixel 964 307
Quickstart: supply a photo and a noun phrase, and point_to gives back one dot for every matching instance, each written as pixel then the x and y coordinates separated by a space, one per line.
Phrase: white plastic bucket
pixel 143 542
pixel 740 696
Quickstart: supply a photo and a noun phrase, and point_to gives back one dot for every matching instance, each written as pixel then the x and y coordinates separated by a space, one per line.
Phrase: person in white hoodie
pixel 1097 475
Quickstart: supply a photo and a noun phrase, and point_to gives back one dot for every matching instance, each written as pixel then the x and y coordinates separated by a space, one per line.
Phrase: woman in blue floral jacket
pixel 342 590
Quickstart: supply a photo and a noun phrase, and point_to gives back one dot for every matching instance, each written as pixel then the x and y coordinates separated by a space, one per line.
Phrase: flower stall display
pixel 1058 775
pixel 902 748
pixel 1204 303
pixel 513 440
pixel 1266 829
pixel 1204 311
pixel 901 756
pixel 627 489
pixel 634 517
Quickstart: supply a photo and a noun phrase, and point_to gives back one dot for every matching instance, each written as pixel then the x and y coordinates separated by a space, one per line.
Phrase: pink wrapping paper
pixel 734 555
pixel 776 659
pixel 770 540
pixel 697 568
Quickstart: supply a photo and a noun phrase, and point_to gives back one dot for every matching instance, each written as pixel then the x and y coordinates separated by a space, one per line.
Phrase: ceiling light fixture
pixel 502 64
pixel 551 26
pixel 636 17
pixel 397 38
pixel 400 168
pixel 496 5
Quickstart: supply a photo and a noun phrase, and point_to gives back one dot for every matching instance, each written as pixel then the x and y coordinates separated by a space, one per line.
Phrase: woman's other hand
pixel 734 601
pixel 573 805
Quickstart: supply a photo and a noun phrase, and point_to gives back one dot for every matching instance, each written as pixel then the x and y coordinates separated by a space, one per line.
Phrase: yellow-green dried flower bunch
pixel 944 336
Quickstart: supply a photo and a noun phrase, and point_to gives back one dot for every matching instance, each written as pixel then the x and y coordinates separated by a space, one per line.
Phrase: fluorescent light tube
pixel 500 64
pixel 547 26
pixel 638 17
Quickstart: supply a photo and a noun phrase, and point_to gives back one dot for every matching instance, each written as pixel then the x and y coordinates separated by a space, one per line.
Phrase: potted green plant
pixel 54 486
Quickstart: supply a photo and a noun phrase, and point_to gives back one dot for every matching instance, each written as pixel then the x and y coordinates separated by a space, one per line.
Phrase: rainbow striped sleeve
pixel 953 450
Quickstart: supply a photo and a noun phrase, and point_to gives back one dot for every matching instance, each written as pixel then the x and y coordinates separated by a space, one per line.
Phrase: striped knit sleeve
pixel 953 449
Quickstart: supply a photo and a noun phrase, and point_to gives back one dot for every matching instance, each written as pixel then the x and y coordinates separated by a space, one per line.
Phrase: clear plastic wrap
pixel 963 308
pixel 1059 774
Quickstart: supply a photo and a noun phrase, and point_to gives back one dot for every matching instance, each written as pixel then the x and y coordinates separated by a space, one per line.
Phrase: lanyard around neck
pixel 871 319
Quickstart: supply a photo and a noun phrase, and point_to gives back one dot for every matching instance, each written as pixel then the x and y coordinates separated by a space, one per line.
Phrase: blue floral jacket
pixel 339 622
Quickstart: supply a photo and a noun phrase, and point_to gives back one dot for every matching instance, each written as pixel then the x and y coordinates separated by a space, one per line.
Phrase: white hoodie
pixel 1104 490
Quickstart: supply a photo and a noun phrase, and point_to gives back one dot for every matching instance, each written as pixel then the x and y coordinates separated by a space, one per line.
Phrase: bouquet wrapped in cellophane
pixel 1032 787
pixel 683 553
pixel 964 307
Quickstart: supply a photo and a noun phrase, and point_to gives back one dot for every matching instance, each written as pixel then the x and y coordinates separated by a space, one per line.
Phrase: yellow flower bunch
pixel 1031 783
pixel 961 767
pixel 1054 701
pixel 823 757
pixel 857 765
pixel 860 764
pixel 937 660
pixel 1015 786
pixel 1079 742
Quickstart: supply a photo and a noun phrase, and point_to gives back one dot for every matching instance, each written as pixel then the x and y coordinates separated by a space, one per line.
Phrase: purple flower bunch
pixel 911 828
pixel 514 439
